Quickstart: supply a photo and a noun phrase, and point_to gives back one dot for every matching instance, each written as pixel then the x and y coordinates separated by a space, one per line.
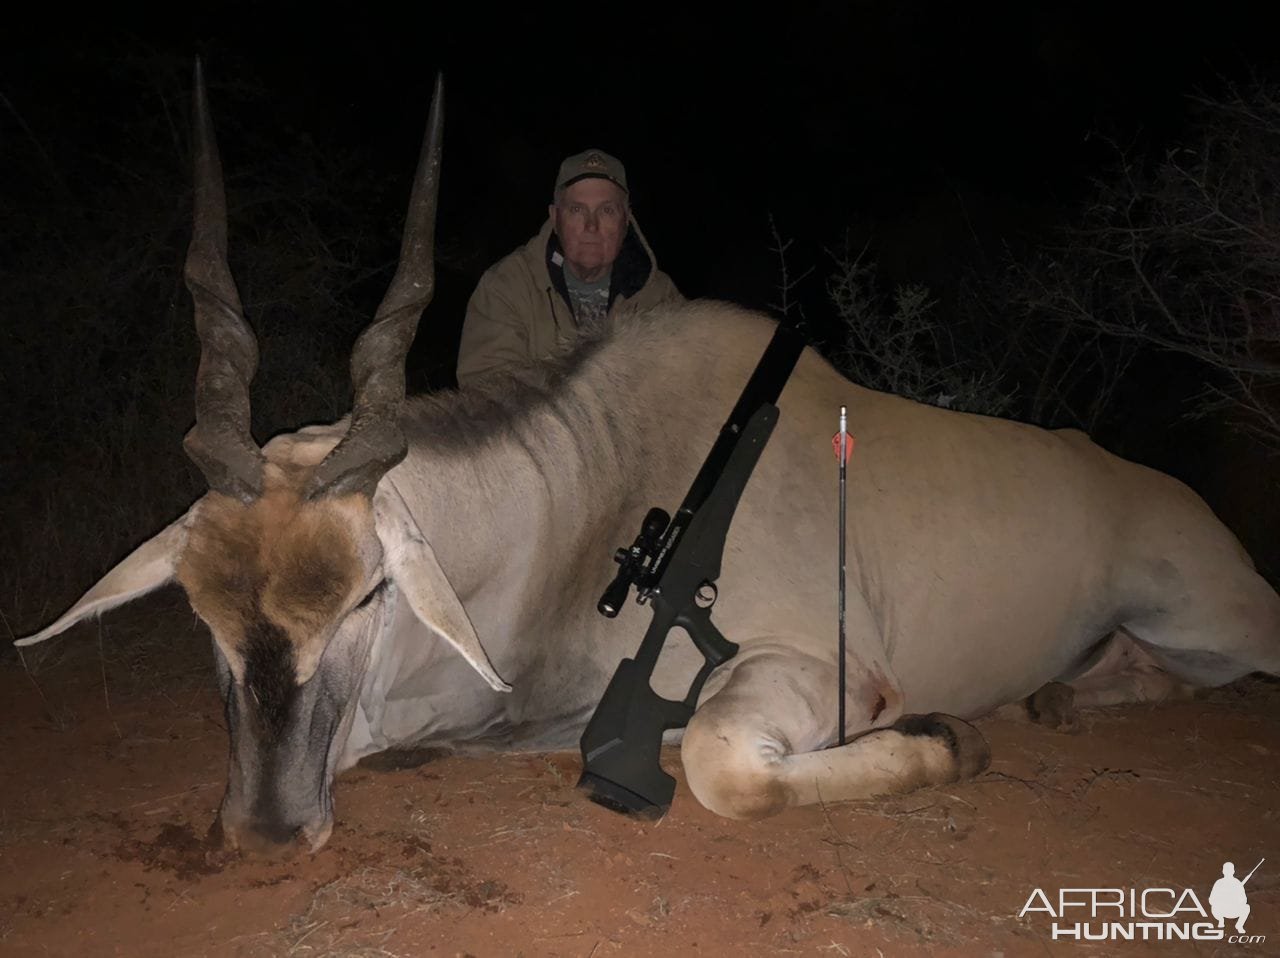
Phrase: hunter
pixel 588 260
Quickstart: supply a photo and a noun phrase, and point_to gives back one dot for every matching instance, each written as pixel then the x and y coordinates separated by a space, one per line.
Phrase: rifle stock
pixel 622 742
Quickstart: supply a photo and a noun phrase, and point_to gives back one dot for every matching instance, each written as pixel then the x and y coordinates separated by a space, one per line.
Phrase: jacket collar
pixel 631 270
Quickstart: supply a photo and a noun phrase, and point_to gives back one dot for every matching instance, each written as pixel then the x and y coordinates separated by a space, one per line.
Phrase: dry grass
pixel 330 927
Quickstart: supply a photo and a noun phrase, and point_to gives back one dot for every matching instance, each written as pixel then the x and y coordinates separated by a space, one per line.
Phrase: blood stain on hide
pixel 880 706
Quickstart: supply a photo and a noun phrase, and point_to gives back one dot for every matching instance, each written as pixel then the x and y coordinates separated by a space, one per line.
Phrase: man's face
pixel 591 220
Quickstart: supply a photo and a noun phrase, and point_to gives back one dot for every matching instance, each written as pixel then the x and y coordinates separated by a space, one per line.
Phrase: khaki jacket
pixel 520 310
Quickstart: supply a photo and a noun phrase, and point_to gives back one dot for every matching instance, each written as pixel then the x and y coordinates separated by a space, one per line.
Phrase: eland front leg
pixel 763 737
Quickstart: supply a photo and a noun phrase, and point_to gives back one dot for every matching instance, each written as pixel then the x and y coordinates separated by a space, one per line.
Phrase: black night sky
pixel 934 131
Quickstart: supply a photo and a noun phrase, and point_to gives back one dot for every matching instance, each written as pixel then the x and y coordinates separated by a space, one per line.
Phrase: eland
pixel 424 572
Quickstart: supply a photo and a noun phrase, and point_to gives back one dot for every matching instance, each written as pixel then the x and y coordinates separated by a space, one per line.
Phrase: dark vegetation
pixel 1150 318
pixel 1148 315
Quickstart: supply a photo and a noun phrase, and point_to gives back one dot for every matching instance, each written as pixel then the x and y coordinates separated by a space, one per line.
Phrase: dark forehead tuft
pixel 313 569
pixel 292 563
pixel 315 574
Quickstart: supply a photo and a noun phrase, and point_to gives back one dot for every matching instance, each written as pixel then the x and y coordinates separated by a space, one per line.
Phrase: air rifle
pixel 674 565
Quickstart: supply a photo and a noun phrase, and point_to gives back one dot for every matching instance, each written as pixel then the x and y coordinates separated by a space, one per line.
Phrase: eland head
pixel 291 556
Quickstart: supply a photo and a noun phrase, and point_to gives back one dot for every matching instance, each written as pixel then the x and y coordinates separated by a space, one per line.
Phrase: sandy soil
pixel 113 761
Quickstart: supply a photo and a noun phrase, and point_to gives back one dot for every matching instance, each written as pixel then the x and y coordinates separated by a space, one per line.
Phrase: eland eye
pixel 376 590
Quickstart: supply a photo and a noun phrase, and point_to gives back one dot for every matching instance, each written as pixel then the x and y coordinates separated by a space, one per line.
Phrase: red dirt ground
pixel 114 756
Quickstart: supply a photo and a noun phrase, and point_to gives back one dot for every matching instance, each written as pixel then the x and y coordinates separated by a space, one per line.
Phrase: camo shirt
pixel 590 301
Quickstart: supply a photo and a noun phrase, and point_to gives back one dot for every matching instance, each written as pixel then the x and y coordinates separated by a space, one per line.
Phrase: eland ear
pixel 143 570
pixel 409 559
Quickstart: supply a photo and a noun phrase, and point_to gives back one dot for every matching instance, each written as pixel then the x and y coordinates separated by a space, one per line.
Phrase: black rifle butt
pixel 622 744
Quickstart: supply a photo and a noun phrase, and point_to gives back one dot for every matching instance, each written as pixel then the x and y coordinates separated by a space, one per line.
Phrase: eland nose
pixel 276 841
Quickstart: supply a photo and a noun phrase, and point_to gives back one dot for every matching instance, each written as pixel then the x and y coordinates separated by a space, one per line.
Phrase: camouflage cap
pixel 591 163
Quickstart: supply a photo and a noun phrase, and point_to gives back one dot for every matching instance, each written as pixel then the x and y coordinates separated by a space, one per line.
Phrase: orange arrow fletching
pixel 848 446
